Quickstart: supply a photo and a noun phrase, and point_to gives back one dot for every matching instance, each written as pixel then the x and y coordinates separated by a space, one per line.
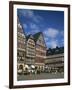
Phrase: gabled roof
pixel 36 36
pixel 20 29
pixel 28 36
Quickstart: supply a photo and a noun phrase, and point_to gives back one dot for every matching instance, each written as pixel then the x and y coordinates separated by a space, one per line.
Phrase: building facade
pixel 21 46
pixel 55 60
pixel 40 50
pixel 30 50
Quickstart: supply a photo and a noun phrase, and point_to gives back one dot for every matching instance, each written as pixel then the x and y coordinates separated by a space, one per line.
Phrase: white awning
pixel 26 66
pixel 32 66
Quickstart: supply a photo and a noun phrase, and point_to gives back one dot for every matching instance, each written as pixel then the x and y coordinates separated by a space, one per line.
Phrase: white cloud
pixel 62 33
pixel 25 26
pixel 33 26
pixel 52 43
pixel 62 42
pixel 30 14
pixel 52 37
pixel 51 32
pixel 37 18
pixel 27 13
pixel 46 39
pixel 32 32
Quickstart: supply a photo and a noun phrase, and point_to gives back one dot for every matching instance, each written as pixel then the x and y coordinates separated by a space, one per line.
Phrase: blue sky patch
pixel 51 23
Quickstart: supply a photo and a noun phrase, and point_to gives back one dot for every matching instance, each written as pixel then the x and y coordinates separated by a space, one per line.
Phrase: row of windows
pixel 30 62
pixel 55 59
pixel 41 42
pixel 41 53
pixel 19 34
pixel 21 38
pixel 55 65
pixel 21 42
pixel 19 30
pixel 30 44
pixel 53 62
pixel 21 53
pixel 22 59
pixel 31 47
pixel 20 45
pixel 31 41
pixel 31 54
pixel 30 50
pixel 39 60
pixel 40 47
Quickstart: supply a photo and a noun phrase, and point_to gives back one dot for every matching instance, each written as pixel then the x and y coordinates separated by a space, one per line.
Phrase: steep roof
pixel 28 36
pixel 36 36
pixel 20 28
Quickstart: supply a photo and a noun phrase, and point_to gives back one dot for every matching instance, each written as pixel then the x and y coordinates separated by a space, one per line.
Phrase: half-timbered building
pixel 40 50
pixel 21 46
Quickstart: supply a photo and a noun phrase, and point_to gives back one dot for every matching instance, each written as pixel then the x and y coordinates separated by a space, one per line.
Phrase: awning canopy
pixel 32 66
pixel 26 66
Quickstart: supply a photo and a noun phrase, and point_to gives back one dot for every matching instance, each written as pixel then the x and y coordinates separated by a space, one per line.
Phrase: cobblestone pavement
pixel 40 76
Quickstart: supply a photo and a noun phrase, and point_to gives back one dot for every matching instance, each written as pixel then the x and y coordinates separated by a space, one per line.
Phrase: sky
pixel 50 23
